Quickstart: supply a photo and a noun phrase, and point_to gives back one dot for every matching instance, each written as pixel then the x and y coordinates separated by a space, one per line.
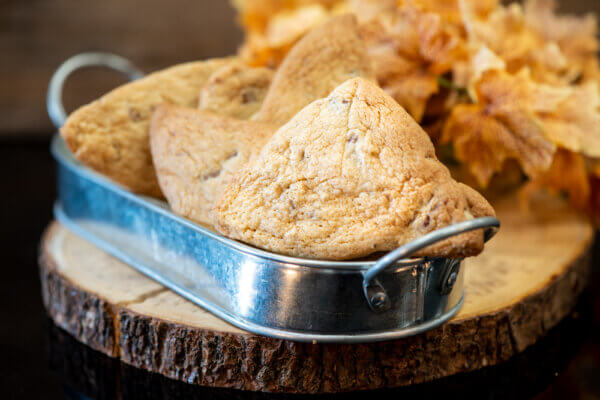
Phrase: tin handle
pixel 54 104
pixel 376 296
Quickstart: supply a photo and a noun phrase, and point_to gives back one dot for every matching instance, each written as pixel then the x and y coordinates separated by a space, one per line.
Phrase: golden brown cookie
pixel 236 90
pixel 349 175
pixel 196 153
pixel 323 59
pixel 110 134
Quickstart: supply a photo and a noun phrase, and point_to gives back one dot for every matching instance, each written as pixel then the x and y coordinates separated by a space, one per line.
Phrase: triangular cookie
pixel 349 175
pixel 197 152
pixel 110 134
pixel 325 58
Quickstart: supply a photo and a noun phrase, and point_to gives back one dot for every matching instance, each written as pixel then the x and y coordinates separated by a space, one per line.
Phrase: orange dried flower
pixel 504 122
pixel 575 123
pixel 575 36
pixel 508 34
pixel 567 174
pixel 410 49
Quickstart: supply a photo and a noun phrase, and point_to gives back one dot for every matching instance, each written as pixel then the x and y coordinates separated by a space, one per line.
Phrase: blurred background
pixel 35 37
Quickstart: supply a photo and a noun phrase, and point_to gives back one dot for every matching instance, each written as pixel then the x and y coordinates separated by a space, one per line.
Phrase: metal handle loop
pixel 376 297
pixel 54 104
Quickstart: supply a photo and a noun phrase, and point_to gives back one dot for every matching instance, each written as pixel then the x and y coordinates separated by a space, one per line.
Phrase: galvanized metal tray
pixel 255 290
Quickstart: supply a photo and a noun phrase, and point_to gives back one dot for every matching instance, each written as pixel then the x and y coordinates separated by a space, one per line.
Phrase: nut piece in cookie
pixel 236 90
pixel 110 135
pixel 349 175
pixel 197 152
pixel 323 59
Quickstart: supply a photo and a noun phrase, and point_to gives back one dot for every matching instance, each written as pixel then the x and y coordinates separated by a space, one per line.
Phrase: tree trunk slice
pixel 527 279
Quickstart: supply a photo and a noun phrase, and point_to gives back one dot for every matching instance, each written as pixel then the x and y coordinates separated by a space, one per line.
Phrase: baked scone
pixel 110 135
pixel 326 57
pixel 349 175
pixel 236 90
pixel 196 153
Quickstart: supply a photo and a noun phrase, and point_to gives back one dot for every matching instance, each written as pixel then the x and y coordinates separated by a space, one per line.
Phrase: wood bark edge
pixel 201 356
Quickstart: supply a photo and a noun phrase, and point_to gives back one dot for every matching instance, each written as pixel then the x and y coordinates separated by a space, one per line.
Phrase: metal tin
pixel 259 291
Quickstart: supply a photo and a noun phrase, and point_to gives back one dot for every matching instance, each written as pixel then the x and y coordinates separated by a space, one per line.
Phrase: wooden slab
pixel 527 279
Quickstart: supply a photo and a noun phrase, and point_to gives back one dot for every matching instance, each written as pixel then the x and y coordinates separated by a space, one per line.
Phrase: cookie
pixel 326 57
pixel 110 135
pixel 349 175
pixel 196 153
pixel 236 90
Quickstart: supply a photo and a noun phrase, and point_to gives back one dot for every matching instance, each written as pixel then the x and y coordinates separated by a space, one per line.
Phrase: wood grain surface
pixel 524 283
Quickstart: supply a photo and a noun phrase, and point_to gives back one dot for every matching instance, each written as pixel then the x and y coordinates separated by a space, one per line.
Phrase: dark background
pixel 38 360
